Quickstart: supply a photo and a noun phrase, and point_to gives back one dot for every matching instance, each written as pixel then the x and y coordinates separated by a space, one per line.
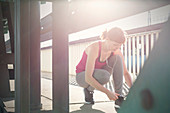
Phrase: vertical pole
pixel 152 40
pixel 60 57
pixel 138 55
pixel 22 56
pixel 134 54
pixel 142 50
pixel 4 76
pixel 129 53
pixel 147 45
pixel 125 52
pixel 35 100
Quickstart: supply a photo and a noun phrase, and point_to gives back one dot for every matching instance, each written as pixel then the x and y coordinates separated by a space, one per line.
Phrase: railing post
pixel 125 51
pixel 152 40
pixel 147 45
pixel 22 56
pixel 4 81
pixel 129 52
pixel 35 83
pixel 142 51
pixel 138 59
pixel 60 56
pixel 134 55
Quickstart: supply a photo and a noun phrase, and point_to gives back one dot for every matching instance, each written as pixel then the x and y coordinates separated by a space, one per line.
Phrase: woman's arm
pixel 92 54
pixel 126 73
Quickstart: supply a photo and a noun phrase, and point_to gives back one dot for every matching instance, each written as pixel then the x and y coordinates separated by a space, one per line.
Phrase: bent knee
pixel 102 76
pixel 105 78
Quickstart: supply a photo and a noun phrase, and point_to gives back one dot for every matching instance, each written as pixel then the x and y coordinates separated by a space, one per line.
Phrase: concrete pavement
pixel 76 99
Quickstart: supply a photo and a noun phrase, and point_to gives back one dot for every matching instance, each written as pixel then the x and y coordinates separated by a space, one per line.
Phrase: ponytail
pixel 103 35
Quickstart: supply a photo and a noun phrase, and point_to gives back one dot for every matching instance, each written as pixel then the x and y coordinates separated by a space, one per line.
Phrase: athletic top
pixel 82 64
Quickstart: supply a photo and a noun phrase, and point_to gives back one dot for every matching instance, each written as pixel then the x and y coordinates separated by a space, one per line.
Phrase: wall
pixel 46 60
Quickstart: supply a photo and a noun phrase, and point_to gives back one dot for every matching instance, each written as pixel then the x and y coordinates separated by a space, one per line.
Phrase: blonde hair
pixel 114 34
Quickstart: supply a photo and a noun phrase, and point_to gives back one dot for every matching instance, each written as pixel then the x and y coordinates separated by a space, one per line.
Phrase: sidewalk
pixel 102 104
pixel 76 99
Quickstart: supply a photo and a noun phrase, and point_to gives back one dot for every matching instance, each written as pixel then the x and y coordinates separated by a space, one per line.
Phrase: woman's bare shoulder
pixel 92 47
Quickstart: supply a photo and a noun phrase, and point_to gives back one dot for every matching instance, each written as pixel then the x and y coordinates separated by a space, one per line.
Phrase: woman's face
pixel 112 45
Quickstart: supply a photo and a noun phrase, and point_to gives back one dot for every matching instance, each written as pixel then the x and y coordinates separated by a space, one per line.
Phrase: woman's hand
pixel 112 95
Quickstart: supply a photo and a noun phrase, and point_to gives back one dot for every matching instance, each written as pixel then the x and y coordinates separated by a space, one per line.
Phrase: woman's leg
pixel 101 75
pixel 115 67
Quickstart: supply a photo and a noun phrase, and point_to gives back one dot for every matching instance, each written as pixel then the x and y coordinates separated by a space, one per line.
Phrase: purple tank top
pixel 82 64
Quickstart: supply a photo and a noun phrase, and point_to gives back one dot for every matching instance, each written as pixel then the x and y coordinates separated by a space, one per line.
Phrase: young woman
pixel 100 60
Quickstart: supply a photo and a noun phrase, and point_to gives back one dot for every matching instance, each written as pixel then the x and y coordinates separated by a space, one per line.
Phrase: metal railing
pixel 136 49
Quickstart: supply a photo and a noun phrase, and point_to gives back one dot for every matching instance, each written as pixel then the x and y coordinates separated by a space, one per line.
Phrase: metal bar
pixel 129 53
pixel 22 56
pixel 134 54
pixel 147 45
pixel 35 87
pixel 126 52
pixel 157 35
pixel 152 40
pixel 142 50
pixel 46 34
pixel 17 55
pixel 138 60
pixel 60 57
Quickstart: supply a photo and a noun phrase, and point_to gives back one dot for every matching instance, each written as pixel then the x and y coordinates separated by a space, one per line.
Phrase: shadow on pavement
pixel 48 111
pixel 87 109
